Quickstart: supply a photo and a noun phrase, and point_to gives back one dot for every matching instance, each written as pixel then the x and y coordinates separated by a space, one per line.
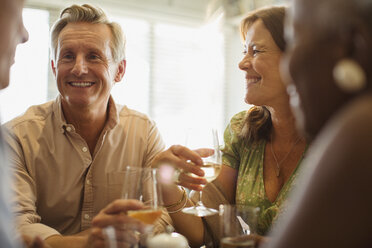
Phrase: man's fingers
pixel 120 221
pixel 121 205
pixel 38 243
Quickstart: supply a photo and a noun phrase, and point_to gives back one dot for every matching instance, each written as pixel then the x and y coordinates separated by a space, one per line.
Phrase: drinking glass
pixel 143 184
pixel 238 225
pixel 211 166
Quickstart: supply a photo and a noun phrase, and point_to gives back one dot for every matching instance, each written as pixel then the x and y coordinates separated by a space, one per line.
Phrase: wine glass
pixel 238 226
pixel 143 184
pixel 211 167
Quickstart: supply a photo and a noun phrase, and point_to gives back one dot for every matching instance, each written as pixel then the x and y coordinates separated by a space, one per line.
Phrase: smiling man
pixel 69 153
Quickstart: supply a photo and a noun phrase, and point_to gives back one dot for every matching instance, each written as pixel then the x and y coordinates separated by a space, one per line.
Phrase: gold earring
pixel 349 75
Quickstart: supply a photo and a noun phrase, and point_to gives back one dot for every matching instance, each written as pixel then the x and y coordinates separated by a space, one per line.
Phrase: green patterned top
pixel 248 159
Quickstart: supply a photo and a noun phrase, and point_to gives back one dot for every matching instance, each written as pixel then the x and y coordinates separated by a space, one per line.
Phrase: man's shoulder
pixel 357 114
pixel 34 114
pixel 128 113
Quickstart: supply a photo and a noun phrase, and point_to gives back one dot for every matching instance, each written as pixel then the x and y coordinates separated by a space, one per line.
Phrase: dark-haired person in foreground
pixel 329 63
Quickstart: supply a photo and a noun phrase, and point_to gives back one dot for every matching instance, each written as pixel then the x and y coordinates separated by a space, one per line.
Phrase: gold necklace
pixel 277 171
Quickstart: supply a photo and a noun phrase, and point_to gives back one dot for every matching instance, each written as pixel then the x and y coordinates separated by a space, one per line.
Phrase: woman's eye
pixel 255 52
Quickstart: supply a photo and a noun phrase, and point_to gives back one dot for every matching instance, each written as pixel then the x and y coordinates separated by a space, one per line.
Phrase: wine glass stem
pixel 200 203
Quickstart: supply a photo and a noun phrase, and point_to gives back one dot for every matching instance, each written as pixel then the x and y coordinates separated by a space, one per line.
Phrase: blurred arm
pixel 333 206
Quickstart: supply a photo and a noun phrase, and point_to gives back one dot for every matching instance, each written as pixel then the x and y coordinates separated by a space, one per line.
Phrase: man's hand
pixel 113 223
pixel 37 242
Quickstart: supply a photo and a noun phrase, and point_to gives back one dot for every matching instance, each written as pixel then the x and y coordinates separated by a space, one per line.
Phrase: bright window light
pixel 134 89
pixel 174 74
pixel 188 80
pixel 29 74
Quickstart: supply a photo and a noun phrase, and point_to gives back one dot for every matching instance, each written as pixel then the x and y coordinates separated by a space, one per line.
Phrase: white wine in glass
pixel 211 170
pixel 211 167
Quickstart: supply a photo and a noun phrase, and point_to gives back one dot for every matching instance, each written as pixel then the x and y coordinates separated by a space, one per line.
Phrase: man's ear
pixel 53 67
pixel 121 70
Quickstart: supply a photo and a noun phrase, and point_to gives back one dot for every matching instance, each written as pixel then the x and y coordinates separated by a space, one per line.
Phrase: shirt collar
pixel 112 121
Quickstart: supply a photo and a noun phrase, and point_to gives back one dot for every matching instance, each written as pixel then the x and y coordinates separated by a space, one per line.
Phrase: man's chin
pixel 4 82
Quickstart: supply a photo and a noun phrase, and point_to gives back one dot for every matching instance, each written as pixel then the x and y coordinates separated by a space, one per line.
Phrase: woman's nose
pixel 245 63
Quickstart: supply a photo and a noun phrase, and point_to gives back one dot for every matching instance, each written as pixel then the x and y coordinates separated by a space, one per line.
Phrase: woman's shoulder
pixel 237 121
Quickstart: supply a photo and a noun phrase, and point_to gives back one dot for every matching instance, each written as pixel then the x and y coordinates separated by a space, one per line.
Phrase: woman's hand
pixel 184 161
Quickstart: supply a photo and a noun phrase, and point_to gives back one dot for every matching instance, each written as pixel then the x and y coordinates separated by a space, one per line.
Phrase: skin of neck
pixel 283 121
pixel 88 122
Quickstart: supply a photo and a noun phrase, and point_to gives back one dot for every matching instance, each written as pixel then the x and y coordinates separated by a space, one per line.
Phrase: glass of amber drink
pixel 143 184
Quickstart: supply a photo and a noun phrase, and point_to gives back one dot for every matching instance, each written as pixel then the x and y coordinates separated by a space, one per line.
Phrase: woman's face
pixel 307 66
pixel 261 66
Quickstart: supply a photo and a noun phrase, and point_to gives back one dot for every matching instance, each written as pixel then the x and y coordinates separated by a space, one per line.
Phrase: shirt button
pixel 88 181
pixel 68 129
pixel 84 149
pixel 86 216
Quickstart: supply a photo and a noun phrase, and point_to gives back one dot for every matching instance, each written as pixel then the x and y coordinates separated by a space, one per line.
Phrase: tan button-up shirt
pixel 59 185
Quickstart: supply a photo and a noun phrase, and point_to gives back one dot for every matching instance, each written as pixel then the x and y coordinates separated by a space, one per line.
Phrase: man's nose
pixel 23 34
pixel 80 66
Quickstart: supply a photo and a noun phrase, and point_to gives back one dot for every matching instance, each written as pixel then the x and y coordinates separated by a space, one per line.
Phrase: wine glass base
pixel 200 211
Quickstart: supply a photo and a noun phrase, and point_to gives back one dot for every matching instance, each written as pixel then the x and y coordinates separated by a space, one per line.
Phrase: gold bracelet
pixel 179 202
pixel 176 211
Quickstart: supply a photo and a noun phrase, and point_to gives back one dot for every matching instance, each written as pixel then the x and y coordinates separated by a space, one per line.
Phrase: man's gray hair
pixel 89 14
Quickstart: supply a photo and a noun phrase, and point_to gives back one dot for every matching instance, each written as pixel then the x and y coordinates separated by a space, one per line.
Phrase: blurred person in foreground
pixel 263 150
pixel 69 154
pixel 13 33
pixel 329 65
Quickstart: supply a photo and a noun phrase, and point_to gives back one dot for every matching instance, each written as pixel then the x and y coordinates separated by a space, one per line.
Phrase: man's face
pixel 12 33
pixel 84 67
pixel 308 62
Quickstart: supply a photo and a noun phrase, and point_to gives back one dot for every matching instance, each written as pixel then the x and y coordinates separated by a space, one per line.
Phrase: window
pixel 134 89
pixel 29 75
pixel 174 73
